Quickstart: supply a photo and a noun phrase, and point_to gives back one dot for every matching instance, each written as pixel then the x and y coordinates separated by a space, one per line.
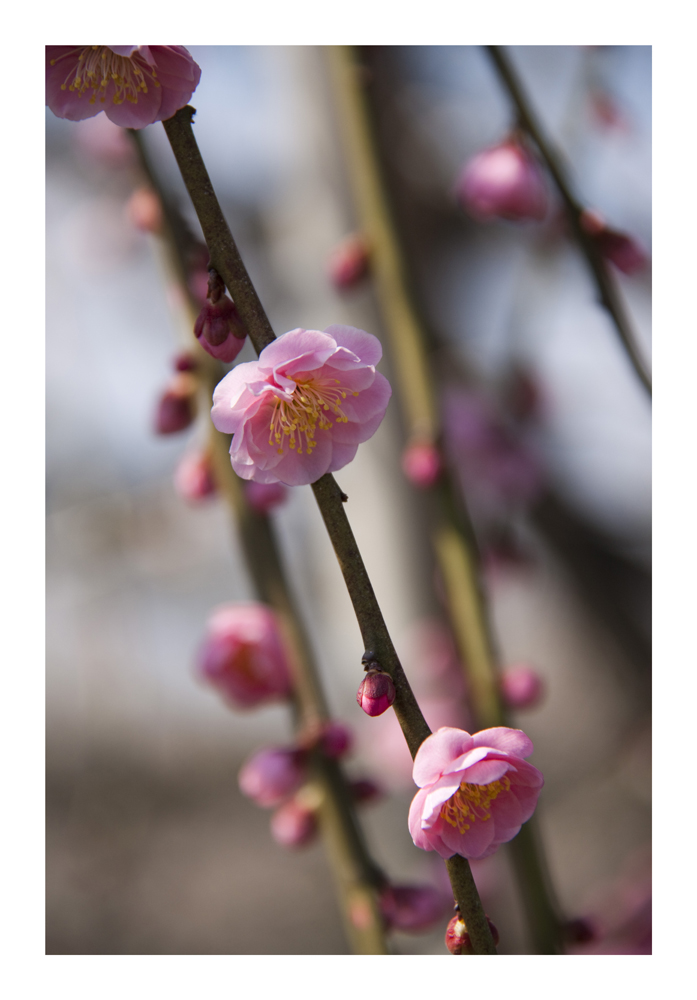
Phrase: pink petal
pixel 501 738
pixel 437 753
pixel 297 350
pixel 426 840
pixel 466 760
pixel 365 345
pixel 473 842
pixel 342 454
pixel 486 771
pixel 437 794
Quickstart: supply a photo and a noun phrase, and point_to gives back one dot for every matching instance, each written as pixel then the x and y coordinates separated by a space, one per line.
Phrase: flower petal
pixel 437 753
pixel 502 738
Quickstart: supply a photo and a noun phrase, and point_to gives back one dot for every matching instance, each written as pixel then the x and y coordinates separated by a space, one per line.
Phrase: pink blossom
pixel 293 824
pixel 457 939
pixel 411 908
pixel 144 210
pixel 333 739
pixel 272 775
pixel 475 793
pixel 422 464
pixel 263 497
pixel 505 181
pixel 304 406
pixel 134 85
pixel 376 692
pixel 193 477
pixel 521 686
pixel 349 262
pixel 243 656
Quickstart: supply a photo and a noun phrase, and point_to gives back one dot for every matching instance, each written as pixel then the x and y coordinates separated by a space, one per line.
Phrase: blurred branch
pixel 607 290
pixel 358 877
pixel 453 537
pixel 227 261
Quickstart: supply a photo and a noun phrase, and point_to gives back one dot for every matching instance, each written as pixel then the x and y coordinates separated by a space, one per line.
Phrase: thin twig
pixel 607 290
pixel 227 261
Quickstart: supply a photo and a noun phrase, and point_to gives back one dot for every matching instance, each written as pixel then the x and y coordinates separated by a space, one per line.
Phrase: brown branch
pixel 607 290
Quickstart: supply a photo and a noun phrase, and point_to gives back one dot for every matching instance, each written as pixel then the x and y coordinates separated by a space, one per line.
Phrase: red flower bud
pixel 457 940
pixel 348 263
pixel 521 687
pixel 422 464
pixel 505 181
pixel 294 824
pixel 364 791
pixel 218 326
pixel 144 210
pixel 376 692
pixel 621 250
pixel 193 477
pixel 272 775
pixel 177 406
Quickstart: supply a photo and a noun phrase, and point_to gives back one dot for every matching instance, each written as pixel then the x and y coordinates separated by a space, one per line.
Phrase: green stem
pixel 228 263
pixel 607 290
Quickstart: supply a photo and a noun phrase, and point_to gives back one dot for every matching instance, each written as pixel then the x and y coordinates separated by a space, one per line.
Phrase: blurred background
pixel 151 848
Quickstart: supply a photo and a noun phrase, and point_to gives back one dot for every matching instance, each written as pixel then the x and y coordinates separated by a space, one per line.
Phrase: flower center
pixel 296 420
pixel 471 802
pixel 97 66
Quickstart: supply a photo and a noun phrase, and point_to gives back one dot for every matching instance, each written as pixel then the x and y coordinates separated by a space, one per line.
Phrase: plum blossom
pixel 303 407
pixel 243 656
pixel 505 181
pixel 134 85
pixel 475 791
pixel 272 775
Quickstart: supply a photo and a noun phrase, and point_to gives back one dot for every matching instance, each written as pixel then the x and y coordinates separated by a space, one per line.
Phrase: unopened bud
pixel 521 687
pixel 620 249
pixel 376 692
pixel 218 326
pixel 184 362
pixel 177 406
pixel 349 262
pixel 422 464
pixel 505 181
pixel 457 940
pixel 365 791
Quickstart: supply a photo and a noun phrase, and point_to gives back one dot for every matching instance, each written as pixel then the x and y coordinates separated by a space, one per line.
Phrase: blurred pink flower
pixel 349 262
pixel 505 181
pixel 621 250
pixel 304 406
pixel 218 327
pixel 422 464
pixel 475 793
pixel 144 210
pixel 272 775
pixel 176 407
pixel 363 791
pixel 134 85
pixel 293 824
pixel 263 497
pixel 521 686
pixel 243 657
pixel 412 908
pixel 193 477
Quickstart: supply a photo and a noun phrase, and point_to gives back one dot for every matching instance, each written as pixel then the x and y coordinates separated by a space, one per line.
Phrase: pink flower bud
pixel 376 692
pixel 336 740
pixel 522 687
pixel 422 464
pixel 621 250
pixel 365 791
pixel 243 656
pixel 272 775
pixel 349 262
pixel 293 824
pixel 505 181
pixel 457 940
pixel 193 477
pixel 218 326
pixel 412 908
pixel 184 361
pixel 177 406
pixel 263 497
pixel 144 210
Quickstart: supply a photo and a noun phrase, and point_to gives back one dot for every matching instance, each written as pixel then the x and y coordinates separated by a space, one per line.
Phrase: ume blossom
pixel 134 85
pixel 475 793
pixel 303 407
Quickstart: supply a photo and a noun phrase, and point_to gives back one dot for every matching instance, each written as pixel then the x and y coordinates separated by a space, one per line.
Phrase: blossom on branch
pixel 505 182
pixel 475 793
pixel 134 85
pixel 303 407
pixel 243 656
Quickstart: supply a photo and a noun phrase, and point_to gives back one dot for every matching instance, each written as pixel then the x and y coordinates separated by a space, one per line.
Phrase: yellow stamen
pixel 471 802
pixel 306 413
pixel 98 66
